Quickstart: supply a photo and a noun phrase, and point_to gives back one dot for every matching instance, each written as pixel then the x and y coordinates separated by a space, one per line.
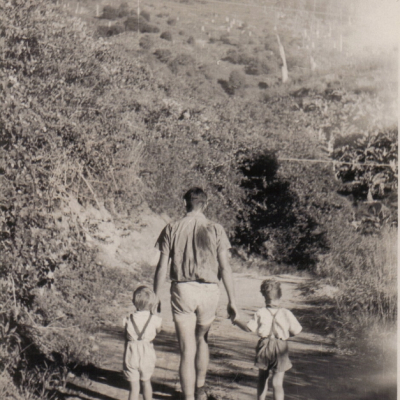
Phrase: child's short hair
pixel 144 298
pixel 271 290
pixel 195 198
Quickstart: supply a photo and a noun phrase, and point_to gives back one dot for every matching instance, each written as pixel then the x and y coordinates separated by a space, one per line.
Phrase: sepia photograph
pixel 199 199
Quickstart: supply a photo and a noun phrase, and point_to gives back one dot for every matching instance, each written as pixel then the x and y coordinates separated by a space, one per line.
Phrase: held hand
pixel 233 312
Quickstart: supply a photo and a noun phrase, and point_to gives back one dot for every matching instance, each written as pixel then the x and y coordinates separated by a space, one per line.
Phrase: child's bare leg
pixel 262 386
pixel 135 390
pixel 147 390
pixel 277 385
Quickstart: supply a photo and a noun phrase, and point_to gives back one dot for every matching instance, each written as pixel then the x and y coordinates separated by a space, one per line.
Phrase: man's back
pixel 193 244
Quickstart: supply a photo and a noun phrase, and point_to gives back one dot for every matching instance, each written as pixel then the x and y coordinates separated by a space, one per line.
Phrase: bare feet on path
pixel 318 372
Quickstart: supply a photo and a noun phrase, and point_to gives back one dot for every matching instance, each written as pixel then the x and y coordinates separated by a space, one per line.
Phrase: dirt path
pixel 318 372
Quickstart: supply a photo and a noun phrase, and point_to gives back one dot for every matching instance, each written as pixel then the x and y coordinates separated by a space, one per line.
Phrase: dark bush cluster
pixel 112 13
pixel 146 42
pixel 164 55
pixel 106 31
pixel 171 21
pixel 139 24
pixel 238 57
pixel 167 35
pixel 181 61
pixel 145 14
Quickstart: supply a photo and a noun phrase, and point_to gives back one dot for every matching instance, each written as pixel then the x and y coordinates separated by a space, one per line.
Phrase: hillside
pixel 107 116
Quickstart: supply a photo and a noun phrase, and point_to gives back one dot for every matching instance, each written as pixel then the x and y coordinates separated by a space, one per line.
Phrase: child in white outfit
pixel 141 328
pixel 273 325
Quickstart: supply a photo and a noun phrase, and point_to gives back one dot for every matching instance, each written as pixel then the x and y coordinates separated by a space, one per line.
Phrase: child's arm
pixel 295 327
pixel 159 325
pixel 241 324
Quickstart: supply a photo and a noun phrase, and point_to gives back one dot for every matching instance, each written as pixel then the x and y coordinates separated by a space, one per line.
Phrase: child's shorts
pixel 139 360
pixel 273 355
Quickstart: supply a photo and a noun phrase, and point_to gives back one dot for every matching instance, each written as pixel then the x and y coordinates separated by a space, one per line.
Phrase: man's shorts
pixel 139 361
pixel 194 300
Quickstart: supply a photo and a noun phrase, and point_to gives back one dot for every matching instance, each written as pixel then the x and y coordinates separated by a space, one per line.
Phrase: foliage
pixel 109 12
pixel 106 31
pixel 277 224
pixel 182 62
pixel 146 42
pixel 236 79
pixel 112 13
pixel 145 14
pixel 55 130
pixel 364 268
pixel 140 24
pixel 167 35
pixel 164 55
pixel 364 180
pixel 171 21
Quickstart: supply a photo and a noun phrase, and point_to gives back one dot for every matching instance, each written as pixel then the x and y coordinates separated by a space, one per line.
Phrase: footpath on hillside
pixel 319 372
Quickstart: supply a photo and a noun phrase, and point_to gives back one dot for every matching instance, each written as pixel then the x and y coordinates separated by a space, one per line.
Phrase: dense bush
pixel 182 62
pixel 145 14
pixel 167 35
pixel 55 129
pixel 106 31
pixel 171 21
pixel 239 57
pixel 109 12
pixel 164 55
pixel 277 224
pixel 139 24
pixel 146 42
pixel 364 268
pixel 237 80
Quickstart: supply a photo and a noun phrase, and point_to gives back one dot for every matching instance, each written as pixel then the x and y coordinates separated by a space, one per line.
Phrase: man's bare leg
pixel 202 355
pixel 185 330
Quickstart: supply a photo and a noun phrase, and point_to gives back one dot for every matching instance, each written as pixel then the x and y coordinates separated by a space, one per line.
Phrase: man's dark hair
pixel 195 199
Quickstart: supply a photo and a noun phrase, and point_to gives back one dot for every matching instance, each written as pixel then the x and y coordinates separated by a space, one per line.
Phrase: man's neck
pixel 195 212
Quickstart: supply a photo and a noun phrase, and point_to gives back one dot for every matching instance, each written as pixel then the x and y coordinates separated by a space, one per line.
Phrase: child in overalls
pixel 141 328
pixel 274 325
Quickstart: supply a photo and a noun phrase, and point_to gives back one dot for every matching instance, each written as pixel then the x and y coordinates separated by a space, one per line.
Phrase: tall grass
pixel 364 268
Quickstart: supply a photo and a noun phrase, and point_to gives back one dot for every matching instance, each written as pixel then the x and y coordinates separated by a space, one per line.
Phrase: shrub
pixel 171 21
pixel 146 42
pixel 190 40
pixel 263 85
pixel 136 24
pixel 109 12
pixel 253 68
pixel 364 268
pixel 145 14
pixel 225 39
pixel 106 31
pixel 277 225
pixel 181 33
pixel 237 79
pixel 232 56
pixel 123 10
pixel 48 273
pixel 181 61
pixel 164 55
pixel 167 35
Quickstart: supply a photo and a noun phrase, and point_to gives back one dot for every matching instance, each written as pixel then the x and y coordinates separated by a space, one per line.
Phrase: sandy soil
pixel 319 372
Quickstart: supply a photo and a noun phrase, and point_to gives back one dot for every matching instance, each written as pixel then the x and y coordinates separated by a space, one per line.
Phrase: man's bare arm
pixel 227 279
pixel 161 273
